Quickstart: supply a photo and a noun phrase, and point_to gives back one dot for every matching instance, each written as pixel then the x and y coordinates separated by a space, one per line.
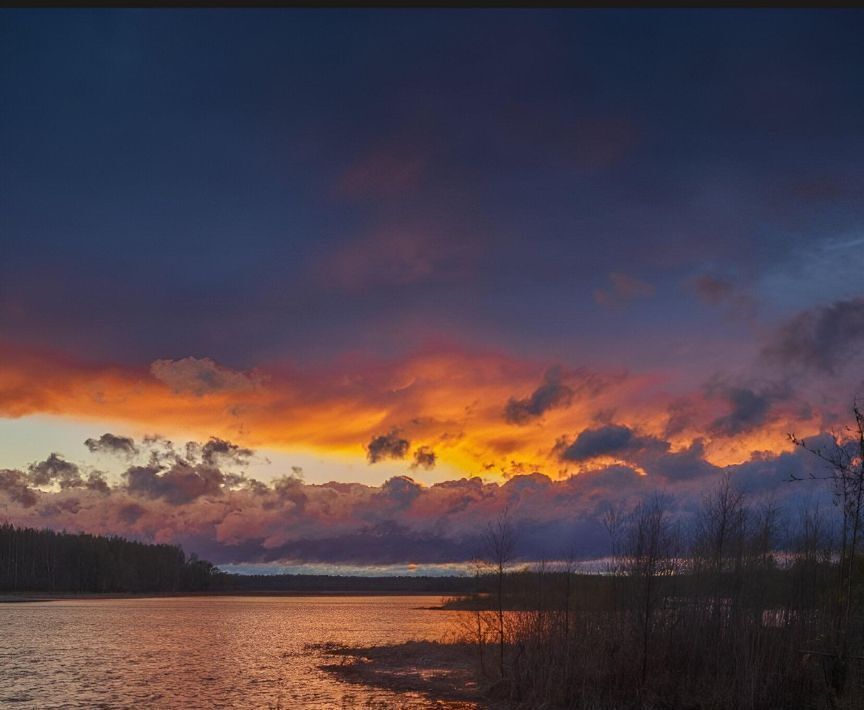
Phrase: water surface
pixel 203 652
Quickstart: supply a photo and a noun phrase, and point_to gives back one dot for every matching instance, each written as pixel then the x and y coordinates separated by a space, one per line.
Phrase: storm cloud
pixel 820 339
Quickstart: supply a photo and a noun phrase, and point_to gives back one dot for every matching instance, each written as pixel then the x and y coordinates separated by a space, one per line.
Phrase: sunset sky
pixel 390 272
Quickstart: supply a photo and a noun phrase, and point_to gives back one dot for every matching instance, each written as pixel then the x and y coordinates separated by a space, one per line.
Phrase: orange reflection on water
pixel 203 652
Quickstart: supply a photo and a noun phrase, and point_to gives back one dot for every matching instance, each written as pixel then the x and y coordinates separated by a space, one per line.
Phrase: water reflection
pixel 210 652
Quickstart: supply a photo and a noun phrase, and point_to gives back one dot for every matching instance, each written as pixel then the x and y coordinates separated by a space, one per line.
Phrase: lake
pixel 203 652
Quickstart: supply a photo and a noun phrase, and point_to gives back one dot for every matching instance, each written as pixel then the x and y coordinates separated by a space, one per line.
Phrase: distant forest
pixel 47 561
pixel 312 583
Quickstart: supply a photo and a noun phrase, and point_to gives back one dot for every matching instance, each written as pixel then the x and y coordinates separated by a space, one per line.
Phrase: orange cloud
pixel 457 405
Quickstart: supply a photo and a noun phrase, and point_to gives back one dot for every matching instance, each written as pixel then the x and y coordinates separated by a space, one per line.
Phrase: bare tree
pixel 648 555
pixel 844 459
pixel 721 526
pixel 478 626
pixel 500 544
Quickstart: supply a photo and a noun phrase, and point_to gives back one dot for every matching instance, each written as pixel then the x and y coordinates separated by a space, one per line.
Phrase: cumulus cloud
pixel 55 469
pixel 219 452
pixel 229 518
pixel 401 489
pixel 16 486
pixel 387 446
pixel 25 487
pixel 819 339
pixel 179 484
pixel 200 376
pixel 424 457
pixel 111 444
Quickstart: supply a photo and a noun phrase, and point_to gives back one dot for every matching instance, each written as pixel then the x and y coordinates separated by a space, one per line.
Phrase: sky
pixel 297 288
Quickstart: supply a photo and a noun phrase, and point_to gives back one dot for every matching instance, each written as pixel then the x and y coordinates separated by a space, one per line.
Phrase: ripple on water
pixel 205 652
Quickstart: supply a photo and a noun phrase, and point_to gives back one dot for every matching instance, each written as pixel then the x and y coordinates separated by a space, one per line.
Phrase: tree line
pixel 321 583
pixel 47 561
pixel 34 560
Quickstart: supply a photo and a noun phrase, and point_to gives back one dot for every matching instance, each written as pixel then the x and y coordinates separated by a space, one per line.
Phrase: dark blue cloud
pixel 553 392
pixel 823 339
pixel 748 410
pixel 609 440
pixel 172 180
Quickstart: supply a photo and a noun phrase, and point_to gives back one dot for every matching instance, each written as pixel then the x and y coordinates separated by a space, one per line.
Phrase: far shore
pixel 25 597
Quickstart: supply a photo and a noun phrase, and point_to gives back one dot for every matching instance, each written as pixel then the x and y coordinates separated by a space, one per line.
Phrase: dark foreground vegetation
pixel 731 610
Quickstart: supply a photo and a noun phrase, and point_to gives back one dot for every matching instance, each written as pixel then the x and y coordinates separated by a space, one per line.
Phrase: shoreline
pixel 29 597
pixel 443 672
